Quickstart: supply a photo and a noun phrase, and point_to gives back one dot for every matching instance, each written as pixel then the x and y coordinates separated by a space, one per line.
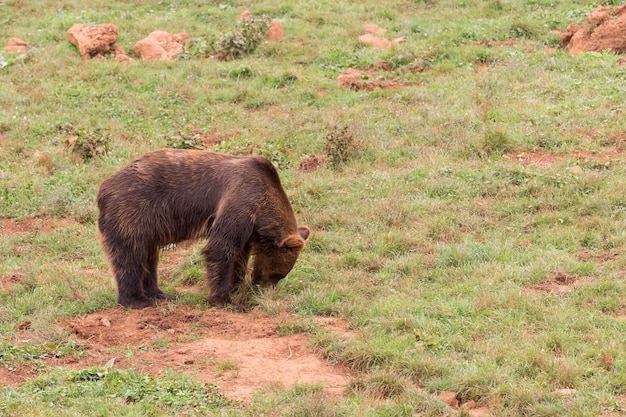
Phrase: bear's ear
pixel 293 242
pixel 303 231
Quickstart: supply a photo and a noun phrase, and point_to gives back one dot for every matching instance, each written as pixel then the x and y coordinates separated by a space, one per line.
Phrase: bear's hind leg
pixel 128 267
pixel 150 279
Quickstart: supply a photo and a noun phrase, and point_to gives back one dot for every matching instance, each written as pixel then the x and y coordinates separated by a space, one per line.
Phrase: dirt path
pixel 240 352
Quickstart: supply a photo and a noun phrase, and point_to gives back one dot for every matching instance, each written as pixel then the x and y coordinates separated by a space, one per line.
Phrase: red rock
pixel 449 397
pixel 375 29
pixel 92 41
pixel 349 76
pixel 161 46
pixel 245 15
pixel 120 54
pixel 381 43
pixel 604 29
pixel 276 32
pixel 469 404
pixel 16 45
pixel 479 412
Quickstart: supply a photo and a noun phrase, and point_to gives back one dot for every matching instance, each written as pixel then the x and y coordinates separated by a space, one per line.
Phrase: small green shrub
pixel 340 146
pixel 232 45
pixel 87 144
pixel 200 47
pixel 244 41
pixel 495 142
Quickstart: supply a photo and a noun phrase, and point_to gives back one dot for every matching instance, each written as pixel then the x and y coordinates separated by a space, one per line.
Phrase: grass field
pixel 468 223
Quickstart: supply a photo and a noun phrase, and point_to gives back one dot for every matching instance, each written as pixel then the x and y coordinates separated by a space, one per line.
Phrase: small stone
pixel 276 33
pixel 16 45
pixel 245 15
pixel 449 397
pixel 576 170
pixel 380 43
pixel 469 404
pixel 25 325
pixel 565 392
pixel 479 412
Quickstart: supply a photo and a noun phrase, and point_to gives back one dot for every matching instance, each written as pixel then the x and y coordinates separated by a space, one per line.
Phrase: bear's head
pixel 273 264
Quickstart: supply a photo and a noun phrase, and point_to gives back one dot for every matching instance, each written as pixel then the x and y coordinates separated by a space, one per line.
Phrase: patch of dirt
pixel 33 224
pixel 604 29
pixel 241 353
pixel 311 163
pixel 559 283
pixel 13 377
pixel 472 408
pixel 8 281
pixel 364 80
pixel 599 258
pixel 507 43
pixel 543 158
pixel 535 158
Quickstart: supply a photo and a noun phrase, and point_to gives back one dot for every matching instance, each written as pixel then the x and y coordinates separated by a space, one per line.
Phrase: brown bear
pixel 171 195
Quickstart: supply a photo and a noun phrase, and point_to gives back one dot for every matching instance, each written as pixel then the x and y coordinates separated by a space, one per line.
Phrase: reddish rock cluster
pixel 161 46
pixel 98 41
pixel 604 29
pixel 377 41
pixel 94 42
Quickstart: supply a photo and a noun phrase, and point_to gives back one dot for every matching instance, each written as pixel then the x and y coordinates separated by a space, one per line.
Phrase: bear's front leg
pixel 226 262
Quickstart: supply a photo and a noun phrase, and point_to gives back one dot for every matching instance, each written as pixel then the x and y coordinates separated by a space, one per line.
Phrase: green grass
pixel 112 392
pixel 429 235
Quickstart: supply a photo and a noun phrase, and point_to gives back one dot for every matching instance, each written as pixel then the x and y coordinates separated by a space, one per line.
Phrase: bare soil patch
pixel 34 224
pixel 364 80
pixel 312 163
pixel 13 377
pixel 241 353
pixel 543 158
pixel 558 283
pixel 599 258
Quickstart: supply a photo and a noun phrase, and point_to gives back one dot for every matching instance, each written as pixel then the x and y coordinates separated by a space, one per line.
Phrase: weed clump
pixel 232 45
pixel 251 32
pixel 495 142
pixel 190 140
pixel 87 144
pixel 340 146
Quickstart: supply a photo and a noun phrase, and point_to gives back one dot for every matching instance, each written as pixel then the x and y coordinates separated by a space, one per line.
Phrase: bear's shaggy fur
pixel 168 196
